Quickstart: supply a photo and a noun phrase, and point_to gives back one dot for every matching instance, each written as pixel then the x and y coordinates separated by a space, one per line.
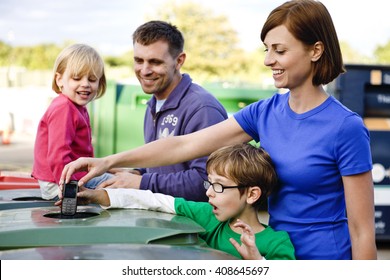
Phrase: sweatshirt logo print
pixel 164 133
pixel 168 122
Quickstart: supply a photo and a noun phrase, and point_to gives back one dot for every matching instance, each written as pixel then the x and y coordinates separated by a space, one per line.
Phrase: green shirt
pixel 273 245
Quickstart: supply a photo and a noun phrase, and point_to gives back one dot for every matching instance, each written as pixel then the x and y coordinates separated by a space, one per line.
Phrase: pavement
pixel 18 156
pixel 27 105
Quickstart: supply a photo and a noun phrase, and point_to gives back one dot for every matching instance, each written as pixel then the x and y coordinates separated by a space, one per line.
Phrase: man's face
pixel 157 71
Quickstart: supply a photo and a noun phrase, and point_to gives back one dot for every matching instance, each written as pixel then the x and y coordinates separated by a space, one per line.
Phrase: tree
pixel 352 56
pixel 382 53
pixel 39 57
pixel 5 53
pixel 210 41
pixel 125 59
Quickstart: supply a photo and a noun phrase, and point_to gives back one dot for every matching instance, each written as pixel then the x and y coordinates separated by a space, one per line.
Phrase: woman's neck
pixel 301 101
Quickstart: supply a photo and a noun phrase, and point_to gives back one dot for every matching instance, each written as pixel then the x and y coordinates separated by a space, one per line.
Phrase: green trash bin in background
pixel 118 117
pixel 234 99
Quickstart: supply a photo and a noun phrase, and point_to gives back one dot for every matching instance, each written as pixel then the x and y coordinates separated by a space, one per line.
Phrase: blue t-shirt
pixel 311 153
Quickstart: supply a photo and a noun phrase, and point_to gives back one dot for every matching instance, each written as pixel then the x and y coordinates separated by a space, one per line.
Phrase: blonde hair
pixel 80 60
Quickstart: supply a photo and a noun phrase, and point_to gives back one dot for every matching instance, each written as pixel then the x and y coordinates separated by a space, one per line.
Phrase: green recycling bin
pixel 117 119
pixel 234 99
pixel 92 225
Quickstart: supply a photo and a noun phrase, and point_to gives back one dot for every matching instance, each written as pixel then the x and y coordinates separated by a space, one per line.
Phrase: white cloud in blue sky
pixel 108 25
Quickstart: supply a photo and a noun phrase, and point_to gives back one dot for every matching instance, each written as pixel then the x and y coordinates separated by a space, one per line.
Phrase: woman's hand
pixel 94 167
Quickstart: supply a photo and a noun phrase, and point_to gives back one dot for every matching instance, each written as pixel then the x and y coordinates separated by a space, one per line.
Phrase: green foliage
pixel 5 52
pixel 210 41
pixel 118 61
pixel 40 57
pixel 211 45
pixel 352 56
pixel 114 61
pixel 382 53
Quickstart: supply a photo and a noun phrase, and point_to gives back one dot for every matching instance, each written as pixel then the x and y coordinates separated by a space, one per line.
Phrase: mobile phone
pixel 69 198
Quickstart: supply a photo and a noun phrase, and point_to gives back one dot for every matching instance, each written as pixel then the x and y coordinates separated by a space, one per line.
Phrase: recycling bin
pixel 17 182
pixel 365 89
pixel 117 252
pixel 234 98
pixel 20 192
pixel 117 119
pixel 92 225
pixel 22 198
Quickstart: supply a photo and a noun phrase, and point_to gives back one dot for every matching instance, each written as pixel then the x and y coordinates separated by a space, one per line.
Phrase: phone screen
pixel 70 190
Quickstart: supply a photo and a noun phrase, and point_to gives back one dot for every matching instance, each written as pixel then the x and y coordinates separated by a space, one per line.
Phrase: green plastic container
pixel 45 226
pixel 117 119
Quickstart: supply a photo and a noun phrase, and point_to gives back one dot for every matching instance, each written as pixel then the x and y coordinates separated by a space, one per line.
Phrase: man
pixel 177 107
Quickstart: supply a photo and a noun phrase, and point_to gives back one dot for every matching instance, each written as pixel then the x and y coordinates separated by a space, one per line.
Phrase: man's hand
pixel 94 167
pixel 122 180
pixel 247 249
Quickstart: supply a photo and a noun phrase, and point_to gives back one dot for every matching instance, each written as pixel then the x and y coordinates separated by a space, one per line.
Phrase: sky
pixel 108 25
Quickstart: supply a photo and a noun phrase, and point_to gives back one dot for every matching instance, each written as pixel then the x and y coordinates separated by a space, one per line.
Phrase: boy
pixel 240 177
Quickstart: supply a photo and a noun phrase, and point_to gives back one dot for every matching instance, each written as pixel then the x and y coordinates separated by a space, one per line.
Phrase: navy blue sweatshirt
pixel 188 108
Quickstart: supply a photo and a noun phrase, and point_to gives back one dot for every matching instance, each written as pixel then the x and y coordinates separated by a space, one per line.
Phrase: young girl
pixel 64 132
pixel 240 177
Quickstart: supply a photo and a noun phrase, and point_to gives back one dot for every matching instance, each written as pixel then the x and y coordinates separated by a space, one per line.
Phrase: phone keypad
pixel 69 206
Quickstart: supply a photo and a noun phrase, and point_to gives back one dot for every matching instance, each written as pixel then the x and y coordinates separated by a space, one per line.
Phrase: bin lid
pixel 117 252
pixel 22 198
pixel 35 227
pixel 9 195
pixel 18 182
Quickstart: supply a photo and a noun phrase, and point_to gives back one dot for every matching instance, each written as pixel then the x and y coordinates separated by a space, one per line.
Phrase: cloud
pixel 362 24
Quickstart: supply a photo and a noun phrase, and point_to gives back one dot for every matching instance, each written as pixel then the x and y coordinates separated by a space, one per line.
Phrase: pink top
pixel 64 135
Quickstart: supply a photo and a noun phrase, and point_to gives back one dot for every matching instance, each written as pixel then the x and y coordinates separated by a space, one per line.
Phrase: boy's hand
pixel 88 196
pixel 247 249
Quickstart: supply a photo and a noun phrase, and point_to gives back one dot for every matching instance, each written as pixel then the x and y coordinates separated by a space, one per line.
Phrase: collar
pixel 175 96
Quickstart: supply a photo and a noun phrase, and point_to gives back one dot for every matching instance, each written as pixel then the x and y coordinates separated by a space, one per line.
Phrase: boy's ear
pixel 254 194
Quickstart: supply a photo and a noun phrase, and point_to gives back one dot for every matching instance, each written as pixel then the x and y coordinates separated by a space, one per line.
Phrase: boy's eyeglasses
pixel 219 188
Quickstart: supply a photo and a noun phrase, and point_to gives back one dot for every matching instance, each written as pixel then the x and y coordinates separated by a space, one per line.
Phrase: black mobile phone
pixel 69 199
